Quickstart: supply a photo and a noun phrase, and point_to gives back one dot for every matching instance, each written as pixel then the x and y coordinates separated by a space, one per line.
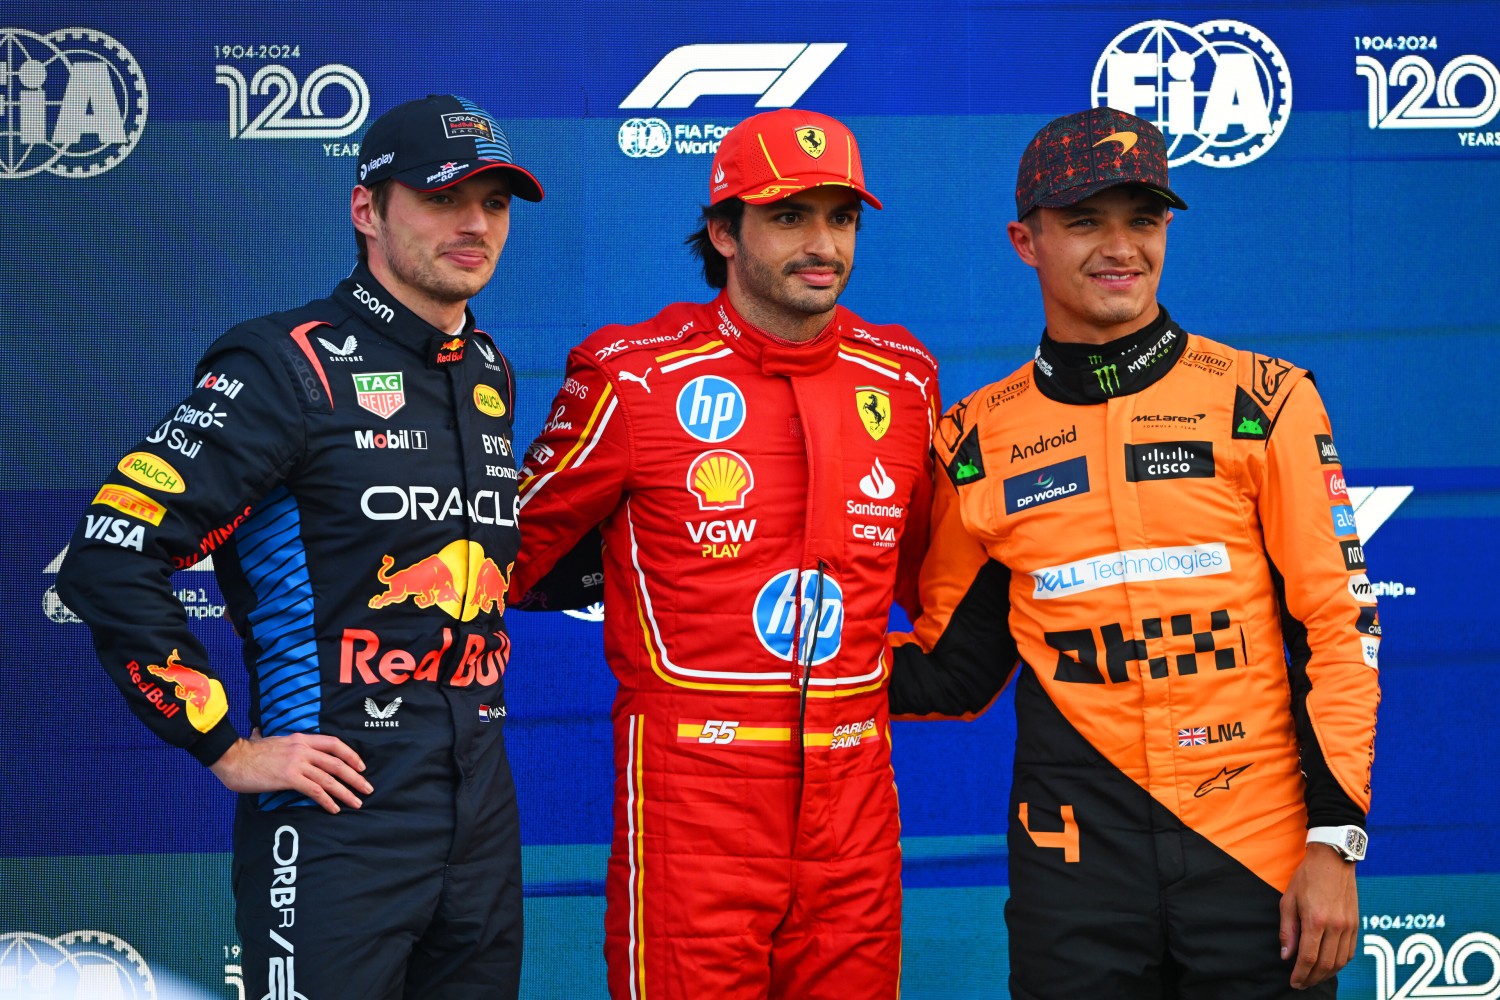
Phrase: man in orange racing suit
pixel 1159 519
pixel 760 470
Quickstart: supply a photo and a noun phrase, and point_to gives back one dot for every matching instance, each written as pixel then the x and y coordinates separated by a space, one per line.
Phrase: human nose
pixel 472 218
pixel 819 241
pixel 1118 244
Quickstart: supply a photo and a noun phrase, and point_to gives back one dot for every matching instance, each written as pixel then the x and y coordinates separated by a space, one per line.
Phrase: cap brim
pixel 1073 195
pixel 786 189
pixel 522 183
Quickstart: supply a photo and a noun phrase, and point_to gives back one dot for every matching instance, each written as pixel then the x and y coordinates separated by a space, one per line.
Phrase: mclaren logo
pixel 1125 139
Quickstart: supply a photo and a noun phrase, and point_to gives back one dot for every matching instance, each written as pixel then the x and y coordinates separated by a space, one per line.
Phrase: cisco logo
pixel 1220 91
pixel 72 103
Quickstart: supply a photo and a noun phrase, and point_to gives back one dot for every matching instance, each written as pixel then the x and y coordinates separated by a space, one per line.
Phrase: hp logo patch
pixel 822 621
pixel 1220 91
pixel 711 408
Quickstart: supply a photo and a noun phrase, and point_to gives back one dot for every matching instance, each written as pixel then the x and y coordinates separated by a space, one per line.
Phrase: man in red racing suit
pixel 759 468
pixel 1149 522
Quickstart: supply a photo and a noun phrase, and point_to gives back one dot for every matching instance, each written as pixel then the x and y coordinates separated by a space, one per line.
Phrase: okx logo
pixel 1220 91
pixel 72 103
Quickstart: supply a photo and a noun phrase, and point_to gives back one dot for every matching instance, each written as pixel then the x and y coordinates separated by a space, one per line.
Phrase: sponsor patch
pixel 1169 460
pixel 488 401
pixel 1343 521
pixel 1065 435
pixel 1369 648
pixel 1249 420
pixel 1008 391
pixel 1327 453
pixel 874 408
pixel 152 472
pixel 379 392
pixel 1369 621
pixel 131 502
pixel 1178 562
pixel 1361 589
pixel 711 408
pixel 1045 485
pixel 808 601
pixel 1338 489
pixel 720 480
pixel 1354 554
pixel 967 464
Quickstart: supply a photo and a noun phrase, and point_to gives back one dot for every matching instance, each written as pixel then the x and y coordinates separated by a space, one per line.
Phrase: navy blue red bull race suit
pixel 349 469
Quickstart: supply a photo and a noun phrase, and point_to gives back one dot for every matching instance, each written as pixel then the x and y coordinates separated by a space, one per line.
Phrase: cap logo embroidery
pixel 812 141
pixel 1125 139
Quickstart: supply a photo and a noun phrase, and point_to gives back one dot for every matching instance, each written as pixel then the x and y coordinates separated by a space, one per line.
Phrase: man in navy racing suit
pixel 348 465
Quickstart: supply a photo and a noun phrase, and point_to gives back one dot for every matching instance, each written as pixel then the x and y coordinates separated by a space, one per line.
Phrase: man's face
pixel 441 245
pixel 793 257
pixel 1099 262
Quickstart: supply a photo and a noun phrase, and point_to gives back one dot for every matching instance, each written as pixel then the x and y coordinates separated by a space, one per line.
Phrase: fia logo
pixel 1220 91
pixel 74 103
pixel 275 120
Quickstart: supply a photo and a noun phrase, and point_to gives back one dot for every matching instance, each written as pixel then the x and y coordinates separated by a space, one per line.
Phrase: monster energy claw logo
pixel 1109 379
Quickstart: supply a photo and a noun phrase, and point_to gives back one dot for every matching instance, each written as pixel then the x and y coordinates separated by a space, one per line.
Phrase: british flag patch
pixel 1195 737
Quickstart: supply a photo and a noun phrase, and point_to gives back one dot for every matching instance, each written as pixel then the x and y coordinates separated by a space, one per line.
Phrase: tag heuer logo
pixel 380 393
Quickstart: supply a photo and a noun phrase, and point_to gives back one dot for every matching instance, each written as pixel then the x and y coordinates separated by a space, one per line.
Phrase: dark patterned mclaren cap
pixel 1077 156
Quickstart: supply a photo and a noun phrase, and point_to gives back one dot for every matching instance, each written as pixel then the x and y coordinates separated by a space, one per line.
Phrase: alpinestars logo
pixel 1220 91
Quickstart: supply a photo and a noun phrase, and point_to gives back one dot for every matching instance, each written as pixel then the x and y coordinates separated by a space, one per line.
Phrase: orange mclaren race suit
pixel 1145 531
pixel 349 468
pixel 758 501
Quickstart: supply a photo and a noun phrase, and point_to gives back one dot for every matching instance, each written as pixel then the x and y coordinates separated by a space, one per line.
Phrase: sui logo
pixel 72 103
pixel 1220 91
pixel 293 110
pixel 711 408
pixel 810 604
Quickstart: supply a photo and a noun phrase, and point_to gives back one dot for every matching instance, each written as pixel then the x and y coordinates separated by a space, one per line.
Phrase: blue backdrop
pixel 167 173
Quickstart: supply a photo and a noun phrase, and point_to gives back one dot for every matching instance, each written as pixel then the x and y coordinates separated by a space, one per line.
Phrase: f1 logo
pixel 780 72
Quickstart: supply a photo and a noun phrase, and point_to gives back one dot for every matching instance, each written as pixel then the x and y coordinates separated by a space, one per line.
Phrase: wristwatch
pixel 1349 841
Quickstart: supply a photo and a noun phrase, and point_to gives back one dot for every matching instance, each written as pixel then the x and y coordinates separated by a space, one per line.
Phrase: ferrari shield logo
pixel 874 407
pixel 811 140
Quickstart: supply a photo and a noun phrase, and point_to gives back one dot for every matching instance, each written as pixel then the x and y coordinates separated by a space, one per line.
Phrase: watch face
pixel 1354 843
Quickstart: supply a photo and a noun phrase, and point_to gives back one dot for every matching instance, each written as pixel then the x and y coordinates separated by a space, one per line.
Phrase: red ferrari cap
pixel 776 154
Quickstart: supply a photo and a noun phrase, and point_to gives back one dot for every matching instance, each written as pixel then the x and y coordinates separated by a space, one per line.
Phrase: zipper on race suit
pixel 805 657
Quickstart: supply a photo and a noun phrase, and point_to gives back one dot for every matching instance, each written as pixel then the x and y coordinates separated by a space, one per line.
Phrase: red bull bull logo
pixel 450 351
pixel 459 579
pixel 201 695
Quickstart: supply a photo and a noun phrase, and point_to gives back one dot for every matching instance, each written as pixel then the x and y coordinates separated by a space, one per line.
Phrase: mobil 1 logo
pixel 1169 460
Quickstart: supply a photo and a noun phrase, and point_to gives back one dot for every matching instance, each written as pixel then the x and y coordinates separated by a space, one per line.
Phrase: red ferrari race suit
pixel 760 504
pixel 1159 526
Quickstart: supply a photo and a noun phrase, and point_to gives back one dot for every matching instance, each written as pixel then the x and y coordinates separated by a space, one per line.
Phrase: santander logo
pixel 877 485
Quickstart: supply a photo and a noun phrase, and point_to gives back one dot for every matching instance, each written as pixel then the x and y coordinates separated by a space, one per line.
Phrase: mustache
pixel 836 266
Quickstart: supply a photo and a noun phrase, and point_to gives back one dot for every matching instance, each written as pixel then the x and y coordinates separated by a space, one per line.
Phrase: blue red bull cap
pixel 436 142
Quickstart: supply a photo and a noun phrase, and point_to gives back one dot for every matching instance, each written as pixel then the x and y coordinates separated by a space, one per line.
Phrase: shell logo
pixel 720 479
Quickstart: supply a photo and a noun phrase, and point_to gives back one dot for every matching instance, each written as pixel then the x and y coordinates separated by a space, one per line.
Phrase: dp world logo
pixel 1220 91
pixel 808 603
pixel 645 137
pixel 72 103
